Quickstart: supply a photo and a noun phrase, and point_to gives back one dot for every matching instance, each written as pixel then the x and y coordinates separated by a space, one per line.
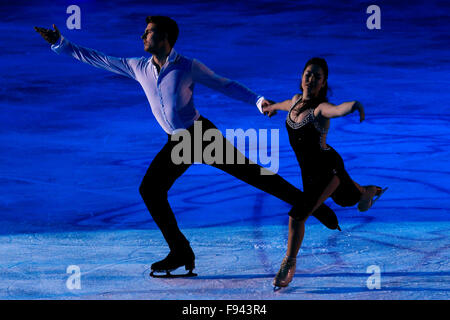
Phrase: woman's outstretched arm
pixel 285 105
pixel 329 110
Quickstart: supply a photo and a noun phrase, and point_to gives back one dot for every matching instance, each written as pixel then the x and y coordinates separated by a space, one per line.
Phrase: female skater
pixel 323 171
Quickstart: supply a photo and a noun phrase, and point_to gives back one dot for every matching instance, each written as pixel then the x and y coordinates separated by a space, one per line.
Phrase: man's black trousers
pixel 163 172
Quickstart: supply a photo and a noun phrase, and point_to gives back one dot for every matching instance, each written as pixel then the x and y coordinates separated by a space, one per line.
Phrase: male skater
pixel 168 80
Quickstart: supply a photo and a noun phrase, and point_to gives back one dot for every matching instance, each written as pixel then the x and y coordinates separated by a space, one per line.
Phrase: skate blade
pixel 168 275
pixel 378 197
pixel 278 288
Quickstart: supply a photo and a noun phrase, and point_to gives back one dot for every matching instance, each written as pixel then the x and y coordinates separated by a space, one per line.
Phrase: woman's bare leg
pixel 361 189
pixel 297 228
pixel 295 239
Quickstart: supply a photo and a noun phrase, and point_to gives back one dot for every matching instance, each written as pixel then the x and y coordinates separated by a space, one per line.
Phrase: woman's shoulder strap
pixel 296 98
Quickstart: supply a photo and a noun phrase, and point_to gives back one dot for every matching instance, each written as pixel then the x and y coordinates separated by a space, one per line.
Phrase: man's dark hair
pixel 165 25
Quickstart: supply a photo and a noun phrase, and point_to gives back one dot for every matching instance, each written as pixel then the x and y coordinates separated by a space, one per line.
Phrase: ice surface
pixel 233 262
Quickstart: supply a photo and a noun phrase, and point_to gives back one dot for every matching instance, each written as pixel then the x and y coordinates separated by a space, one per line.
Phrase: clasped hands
pixel 267 108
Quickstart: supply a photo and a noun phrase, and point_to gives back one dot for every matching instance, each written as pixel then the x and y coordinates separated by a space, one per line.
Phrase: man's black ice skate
pixel 174 260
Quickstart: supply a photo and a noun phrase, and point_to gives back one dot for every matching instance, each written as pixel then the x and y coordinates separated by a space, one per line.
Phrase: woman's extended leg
pixel 350 193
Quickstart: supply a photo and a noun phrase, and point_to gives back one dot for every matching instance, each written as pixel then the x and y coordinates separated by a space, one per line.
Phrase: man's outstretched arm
pixel 122 66
pixel 233 89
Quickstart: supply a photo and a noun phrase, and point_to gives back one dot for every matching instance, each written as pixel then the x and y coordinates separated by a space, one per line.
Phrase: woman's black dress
pixel 318 164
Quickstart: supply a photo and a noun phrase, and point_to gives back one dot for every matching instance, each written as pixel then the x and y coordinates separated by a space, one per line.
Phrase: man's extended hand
pixel 266 108
pixel 51 36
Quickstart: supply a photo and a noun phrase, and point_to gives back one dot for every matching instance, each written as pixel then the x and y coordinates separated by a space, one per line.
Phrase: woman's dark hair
pixel 165 25
pixel 324 66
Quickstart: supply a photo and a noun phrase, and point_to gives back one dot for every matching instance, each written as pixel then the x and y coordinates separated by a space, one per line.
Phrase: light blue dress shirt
pixel 170 93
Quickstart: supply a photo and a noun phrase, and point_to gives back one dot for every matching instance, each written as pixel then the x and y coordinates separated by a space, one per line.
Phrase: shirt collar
pixel 172 55
pixel 170 58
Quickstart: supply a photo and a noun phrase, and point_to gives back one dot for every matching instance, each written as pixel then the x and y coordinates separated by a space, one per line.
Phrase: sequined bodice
pixel 307 133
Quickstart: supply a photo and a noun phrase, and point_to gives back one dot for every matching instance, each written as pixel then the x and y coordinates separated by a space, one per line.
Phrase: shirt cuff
pixel 259 103
pixel 57 46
